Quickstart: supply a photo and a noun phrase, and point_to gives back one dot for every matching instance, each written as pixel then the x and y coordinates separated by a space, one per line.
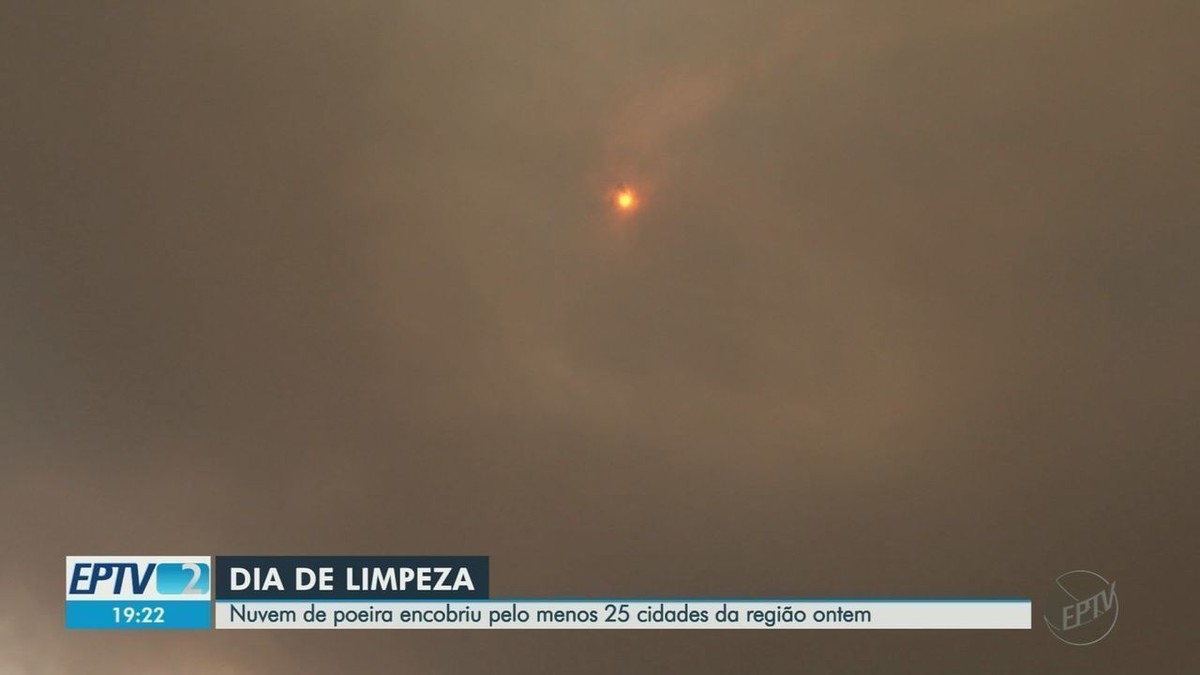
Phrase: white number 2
pixel 191 585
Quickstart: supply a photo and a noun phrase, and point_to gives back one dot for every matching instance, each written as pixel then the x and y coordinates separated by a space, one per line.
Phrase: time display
pixel 138 614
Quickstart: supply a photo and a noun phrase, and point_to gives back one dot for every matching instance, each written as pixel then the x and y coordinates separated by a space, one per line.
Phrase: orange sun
pixel 625 199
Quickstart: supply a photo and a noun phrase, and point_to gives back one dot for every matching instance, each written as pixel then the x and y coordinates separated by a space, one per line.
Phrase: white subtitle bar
pixel 967 614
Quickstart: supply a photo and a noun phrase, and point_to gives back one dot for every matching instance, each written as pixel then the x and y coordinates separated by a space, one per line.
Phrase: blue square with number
pixel 182 578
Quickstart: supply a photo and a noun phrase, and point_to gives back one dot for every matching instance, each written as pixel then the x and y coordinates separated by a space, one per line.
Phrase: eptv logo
pixel 1081 608
pixel 141 577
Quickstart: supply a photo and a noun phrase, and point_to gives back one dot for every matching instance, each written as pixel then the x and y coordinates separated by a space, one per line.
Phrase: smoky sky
pixel 910 307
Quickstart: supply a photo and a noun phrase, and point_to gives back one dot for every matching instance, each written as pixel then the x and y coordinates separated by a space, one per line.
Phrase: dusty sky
pixel 911 307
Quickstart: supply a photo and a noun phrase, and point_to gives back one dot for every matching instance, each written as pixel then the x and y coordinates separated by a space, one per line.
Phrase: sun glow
pixel 625 199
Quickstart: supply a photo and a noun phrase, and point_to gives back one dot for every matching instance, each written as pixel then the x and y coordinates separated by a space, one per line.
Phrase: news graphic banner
pixel 145 592
pixel 448 592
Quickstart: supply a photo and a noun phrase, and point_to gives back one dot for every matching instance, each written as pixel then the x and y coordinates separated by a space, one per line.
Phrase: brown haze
pixel 910 306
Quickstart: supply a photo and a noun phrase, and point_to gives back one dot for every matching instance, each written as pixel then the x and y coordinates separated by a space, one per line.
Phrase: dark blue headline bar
pixel 351 577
